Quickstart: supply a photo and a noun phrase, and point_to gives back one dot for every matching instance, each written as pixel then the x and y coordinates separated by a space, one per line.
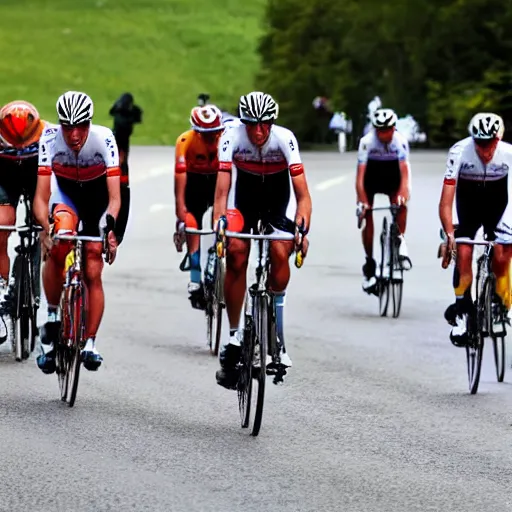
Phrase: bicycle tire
pixel 21 315
pixel 474 354
pixel 498 341
pixel 244 385
pixel 499 356
pixel 61 365
pixel 218 306
pixel 77 323
pixel 383 282
pixel 396 273
pixel 262 304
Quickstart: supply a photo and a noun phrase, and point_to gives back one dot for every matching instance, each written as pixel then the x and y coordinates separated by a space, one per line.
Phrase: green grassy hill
pixel 164 52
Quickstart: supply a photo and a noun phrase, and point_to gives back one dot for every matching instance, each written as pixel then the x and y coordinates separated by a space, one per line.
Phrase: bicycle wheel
pixel 77 324
pixel 216 306
pixel 262 304
pixel 498 341
pixel 21 317
pixel 244 387
pixel 383 282
pixel 61 361
pixel 396 273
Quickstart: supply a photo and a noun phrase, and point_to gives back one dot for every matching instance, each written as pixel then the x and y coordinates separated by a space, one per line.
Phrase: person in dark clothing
pixel 125 114
pixel 203 99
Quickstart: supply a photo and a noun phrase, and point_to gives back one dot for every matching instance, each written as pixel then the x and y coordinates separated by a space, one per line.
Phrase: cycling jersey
pixel 97 157
pixel 279 153
pixel 463 162
pixel 194 154
pixel 261 177
pixel 372 149
pixel 79 180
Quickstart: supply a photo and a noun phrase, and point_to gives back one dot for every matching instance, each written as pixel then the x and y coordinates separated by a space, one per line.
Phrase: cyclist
pixel 195 175
pixel 259 165
pixel 78 181
pixel 383 168
pixel 477 175
pixel 20 130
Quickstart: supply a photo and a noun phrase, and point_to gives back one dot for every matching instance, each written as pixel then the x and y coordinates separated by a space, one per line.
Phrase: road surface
pixel 374 417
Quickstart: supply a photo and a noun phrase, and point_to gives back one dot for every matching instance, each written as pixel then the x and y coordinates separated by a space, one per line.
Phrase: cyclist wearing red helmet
pixel 196 166
pixel 20 131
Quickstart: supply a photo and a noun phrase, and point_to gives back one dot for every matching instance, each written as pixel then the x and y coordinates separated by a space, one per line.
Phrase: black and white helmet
pixel 384 118
pixel 74 108
pixel 486 125
pixel 258 107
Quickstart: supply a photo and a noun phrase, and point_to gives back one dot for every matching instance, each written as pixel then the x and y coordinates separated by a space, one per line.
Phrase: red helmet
pixel 206 119
pixel 20 124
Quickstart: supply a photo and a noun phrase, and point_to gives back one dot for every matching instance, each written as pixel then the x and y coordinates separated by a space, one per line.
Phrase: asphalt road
pixel 375 415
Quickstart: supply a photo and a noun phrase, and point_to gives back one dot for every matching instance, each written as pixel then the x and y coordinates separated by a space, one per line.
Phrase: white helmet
pixel 74 108
pixel 258 107
pixel 486 125
pixel 384 118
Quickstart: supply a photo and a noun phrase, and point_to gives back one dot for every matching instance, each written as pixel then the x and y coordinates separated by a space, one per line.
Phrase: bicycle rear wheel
pixel 77 323
pixel 383 283
pixel 262 305
pixel 499 356
pixel 22 318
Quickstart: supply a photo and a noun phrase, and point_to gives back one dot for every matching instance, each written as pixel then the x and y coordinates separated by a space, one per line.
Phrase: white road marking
pixel 152 173
pixel 158 207
pixel 327 184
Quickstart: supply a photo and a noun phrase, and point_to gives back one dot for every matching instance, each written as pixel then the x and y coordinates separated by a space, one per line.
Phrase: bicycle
pixel 23 296
pixel 484 314
pixel 391 269
pixel 259 333
pixel 73 307
pixel 213 292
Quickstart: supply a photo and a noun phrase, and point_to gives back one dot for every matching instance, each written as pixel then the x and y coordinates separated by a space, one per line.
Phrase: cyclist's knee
pixel 280 252
pixel 93 262
pixel 238 255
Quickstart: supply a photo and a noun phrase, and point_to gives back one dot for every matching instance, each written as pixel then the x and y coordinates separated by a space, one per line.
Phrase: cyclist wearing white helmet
pixel 195 175
pixel 383 168
pixel 477 175
pixel 259 166
pixel 78 181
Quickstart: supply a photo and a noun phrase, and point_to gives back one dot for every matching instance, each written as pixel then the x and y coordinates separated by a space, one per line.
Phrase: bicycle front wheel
pixel 218 305
pixel 261 303
pixel 383 283
pixel 77 324
pixel 22 318
pixel 244 386
pixel 474 353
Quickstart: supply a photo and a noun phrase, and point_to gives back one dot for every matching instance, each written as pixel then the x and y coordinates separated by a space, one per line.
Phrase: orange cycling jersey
pixel 194 154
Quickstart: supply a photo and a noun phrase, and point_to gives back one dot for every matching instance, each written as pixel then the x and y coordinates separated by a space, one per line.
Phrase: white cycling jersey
pixel 372 149
pixel 279 153
pixel 97 157
pixel 463 162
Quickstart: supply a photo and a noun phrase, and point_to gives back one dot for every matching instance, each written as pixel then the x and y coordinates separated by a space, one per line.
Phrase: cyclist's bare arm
pixel 304 205
pixel 446 207
pixel 221 195
pixel 114 195
pixel 361 194
pixel 41 199
pixel 180 183
pixel 404 176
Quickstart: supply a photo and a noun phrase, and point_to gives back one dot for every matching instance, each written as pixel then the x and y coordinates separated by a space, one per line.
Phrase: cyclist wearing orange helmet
pixel 20 130
pixel 196 166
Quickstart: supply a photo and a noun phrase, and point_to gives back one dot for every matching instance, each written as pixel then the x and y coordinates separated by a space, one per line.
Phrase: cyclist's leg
pixel 470 220
pixel 372 184
pixel 65 220
pixel 9 196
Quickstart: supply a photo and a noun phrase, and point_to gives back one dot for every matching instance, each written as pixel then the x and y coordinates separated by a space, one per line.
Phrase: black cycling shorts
pixel 382 177
pixel 16 178
pixel 199 194
pixel 264 197
pixel 89 199
pixel 480 204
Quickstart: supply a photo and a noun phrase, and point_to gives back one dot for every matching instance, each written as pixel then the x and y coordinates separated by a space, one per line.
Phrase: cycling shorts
pixel 382 177
pixel 199 194
pixel 88 199
pixel 264 197
pixel 17 177
pixel 480 204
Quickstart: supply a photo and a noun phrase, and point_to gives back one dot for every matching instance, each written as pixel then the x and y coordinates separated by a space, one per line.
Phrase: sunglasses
pixel 85 124
pixel 485 143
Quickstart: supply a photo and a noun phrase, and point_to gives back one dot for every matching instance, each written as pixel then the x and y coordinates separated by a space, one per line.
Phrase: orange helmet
pixel 20 124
